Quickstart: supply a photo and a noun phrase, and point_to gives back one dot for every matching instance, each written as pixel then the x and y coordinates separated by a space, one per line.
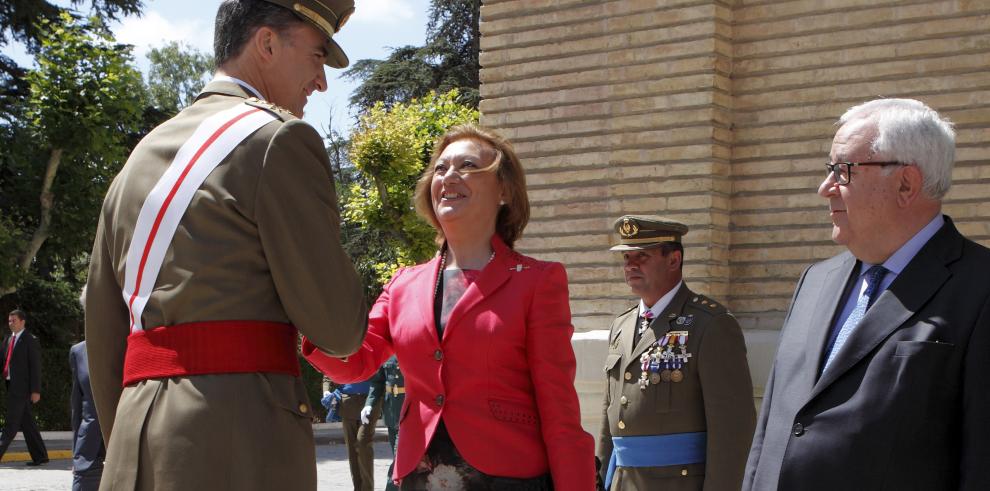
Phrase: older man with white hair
pixel 879 378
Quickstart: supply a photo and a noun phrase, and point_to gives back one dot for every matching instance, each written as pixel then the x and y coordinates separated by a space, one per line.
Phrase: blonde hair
pixel 514 214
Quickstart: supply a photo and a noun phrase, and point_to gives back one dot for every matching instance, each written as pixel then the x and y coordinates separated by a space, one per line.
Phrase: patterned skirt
pixel 443 468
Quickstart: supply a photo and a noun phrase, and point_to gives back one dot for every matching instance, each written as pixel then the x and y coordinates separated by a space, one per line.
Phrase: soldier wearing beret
pixel 218 242
pixel 678 411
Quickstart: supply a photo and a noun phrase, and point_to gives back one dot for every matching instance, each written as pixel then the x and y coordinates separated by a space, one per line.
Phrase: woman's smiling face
pixel 465 193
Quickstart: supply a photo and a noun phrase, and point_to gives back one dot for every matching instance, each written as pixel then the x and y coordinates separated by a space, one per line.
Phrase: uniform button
pixel 628 376
pixel 303 408
pixel 438 355
pixel 683 472
pixel 798 429
pixel 440 400
pixel 623 400
pixel 622 425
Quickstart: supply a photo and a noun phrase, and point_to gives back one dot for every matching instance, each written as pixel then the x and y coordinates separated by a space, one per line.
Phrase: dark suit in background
pixel 25 379
pixel 88 450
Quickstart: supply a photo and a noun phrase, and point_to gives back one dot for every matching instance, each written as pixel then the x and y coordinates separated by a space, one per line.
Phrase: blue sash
pixel 656 451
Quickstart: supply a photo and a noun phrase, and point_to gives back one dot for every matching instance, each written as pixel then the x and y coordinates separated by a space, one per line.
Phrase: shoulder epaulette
pixel 705 304
pixel 281 113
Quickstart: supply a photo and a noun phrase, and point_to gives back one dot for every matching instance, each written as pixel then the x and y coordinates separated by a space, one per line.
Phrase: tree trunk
pixel 42 233
pixel 394 214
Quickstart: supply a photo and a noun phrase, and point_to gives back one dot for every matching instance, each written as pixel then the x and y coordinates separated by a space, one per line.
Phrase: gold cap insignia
pixel 629 228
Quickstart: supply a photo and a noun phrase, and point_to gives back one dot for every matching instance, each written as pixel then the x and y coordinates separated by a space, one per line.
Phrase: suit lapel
pixel 917 283
pixel 832 289
pixel 492 277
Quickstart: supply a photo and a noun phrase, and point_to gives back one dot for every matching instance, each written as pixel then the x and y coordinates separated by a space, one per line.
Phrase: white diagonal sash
pixel 162 210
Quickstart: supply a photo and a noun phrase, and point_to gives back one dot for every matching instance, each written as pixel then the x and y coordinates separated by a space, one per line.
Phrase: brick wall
pixel 719 114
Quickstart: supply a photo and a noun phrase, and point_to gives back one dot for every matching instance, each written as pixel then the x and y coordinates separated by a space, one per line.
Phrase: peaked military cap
pixel 328 16
pixel 637 232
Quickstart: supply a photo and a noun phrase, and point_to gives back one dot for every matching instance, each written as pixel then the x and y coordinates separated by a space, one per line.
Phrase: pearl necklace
pixel 443 264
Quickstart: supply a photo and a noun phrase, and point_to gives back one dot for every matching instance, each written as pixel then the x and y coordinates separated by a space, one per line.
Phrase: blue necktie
pixel 874 276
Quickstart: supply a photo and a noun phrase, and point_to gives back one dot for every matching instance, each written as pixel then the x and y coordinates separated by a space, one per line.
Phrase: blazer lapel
pixel 426 302
pixel 917 283
pixel 492 277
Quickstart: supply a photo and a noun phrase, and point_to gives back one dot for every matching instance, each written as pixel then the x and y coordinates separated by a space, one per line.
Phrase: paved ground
pixel 332 470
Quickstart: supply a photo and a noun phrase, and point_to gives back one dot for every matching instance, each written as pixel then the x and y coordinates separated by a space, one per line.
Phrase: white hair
pixel 910 132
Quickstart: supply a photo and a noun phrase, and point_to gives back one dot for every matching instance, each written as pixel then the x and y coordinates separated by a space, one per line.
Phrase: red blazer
pixel 502 378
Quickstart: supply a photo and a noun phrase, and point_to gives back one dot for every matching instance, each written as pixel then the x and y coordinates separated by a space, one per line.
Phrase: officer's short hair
pixel 19 314
pixel 238 20
pixel 667 247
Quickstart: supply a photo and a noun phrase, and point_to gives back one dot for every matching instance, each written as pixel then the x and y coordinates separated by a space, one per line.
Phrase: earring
pixel 501 202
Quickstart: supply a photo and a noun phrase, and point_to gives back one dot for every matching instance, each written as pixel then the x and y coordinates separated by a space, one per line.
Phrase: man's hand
pixel 365 415
pixel 35 397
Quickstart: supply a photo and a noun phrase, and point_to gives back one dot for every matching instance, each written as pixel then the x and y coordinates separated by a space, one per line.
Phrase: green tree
pixel 178 72
pixel 448 61
pixel 21 21
pixel 390 147
pixel 68 140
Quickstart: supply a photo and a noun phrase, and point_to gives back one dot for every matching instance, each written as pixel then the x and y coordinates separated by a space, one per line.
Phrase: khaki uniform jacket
pixel 259 241
pixel 716 396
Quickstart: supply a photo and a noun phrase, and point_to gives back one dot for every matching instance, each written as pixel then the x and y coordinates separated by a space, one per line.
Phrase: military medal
pixel 645 323
pixel 680 358
pixel 644 361
pixel 666 375
pixel 655 378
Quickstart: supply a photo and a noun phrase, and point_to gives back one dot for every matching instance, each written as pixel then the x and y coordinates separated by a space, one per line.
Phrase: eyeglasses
pixel 841 170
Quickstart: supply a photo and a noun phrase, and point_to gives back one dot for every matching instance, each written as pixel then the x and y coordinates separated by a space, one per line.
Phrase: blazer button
pixel 440 400
pixel 438 355
pixel 798 429
pixel 628 376
pixel 623 400
pixel 622 425
pixel 303 408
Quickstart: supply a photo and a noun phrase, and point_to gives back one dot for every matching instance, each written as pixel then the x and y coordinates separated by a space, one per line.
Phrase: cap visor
pixel 626 247
pixel 337 58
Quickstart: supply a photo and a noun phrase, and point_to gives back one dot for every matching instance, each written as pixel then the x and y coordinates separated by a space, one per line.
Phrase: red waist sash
pixel 201 348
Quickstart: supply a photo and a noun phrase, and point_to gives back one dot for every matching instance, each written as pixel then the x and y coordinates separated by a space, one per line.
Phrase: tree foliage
pixel 22 21
pixel 390 147
pixel 69 138
pixel 178 72
pixel 448 61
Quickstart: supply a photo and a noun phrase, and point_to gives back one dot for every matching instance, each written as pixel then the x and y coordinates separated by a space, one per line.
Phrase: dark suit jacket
pixel 905 405
pixel 87 448
pixel 25 365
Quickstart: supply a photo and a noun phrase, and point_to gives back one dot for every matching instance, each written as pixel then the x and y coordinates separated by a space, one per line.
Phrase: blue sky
pixel 376 26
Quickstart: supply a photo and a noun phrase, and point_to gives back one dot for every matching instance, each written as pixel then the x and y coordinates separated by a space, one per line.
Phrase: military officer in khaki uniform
pixel 678 411
pixel 192 333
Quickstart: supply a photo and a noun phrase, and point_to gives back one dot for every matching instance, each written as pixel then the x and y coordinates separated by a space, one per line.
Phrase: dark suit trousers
pixel 87 480
pixel 19 419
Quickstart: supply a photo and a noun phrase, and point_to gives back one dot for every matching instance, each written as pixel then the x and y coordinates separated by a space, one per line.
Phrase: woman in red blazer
pixel 482 334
